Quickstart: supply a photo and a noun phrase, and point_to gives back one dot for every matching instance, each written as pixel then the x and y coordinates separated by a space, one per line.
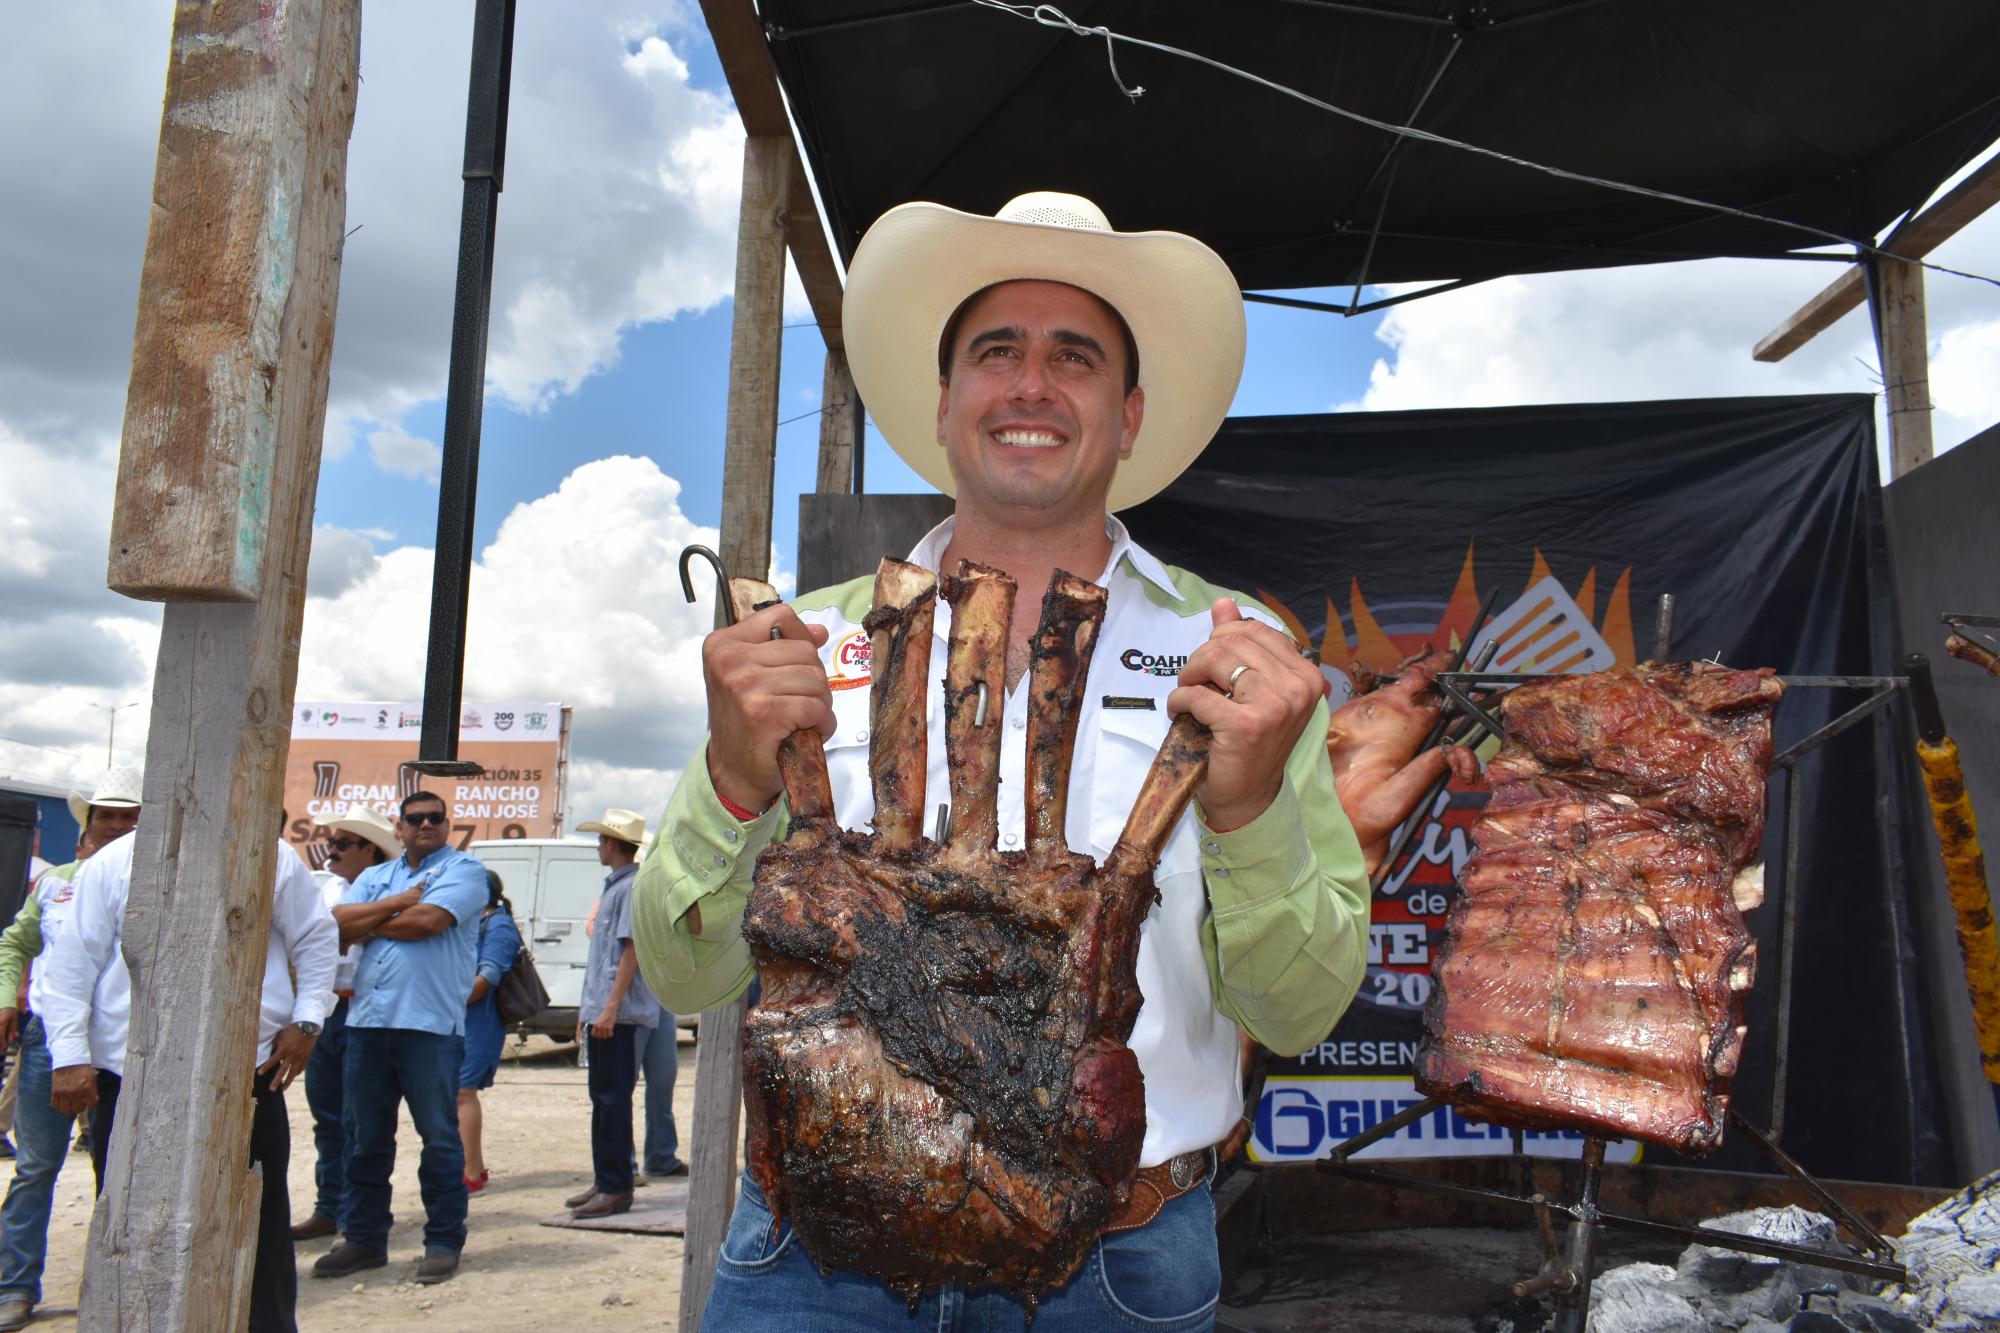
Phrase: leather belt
pixel 1157 1186
pixel 344 994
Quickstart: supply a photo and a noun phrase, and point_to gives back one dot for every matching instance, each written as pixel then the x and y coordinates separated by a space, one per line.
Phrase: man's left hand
pixel 607 1022
pixel 290 1050
pixel 1255 729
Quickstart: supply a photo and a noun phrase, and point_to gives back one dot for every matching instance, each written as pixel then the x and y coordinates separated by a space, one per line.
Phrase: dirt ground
pixel 516 1272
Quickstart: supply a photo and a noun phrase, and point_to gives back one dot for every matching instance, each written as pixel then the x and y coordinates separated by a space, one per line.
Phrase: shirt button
pixel 1213 848
pixel 1220 872
pixel 1020 722
pixel 721 861
pixel 729 835
pixel 1010 838
pixel 861 735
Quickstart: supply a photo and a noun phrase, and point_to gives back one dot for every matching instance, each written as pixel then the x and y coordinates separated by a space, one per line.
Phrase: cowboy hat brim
pixel 919 263
pixel 384 839
pixel 595 826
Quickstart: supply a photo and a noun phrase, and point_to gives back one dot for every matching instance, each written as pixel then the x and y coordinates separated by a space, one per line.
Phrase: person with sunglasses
pixel 355 841
pixel 417 920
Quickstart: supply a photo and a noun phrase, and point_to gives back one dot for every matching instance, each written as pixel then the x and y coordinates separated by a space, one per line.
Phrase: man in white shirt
pixel 88 1012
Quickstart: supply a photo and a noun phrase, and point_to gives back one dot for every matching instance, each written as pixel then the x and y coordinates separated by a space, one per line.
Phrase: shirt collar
pixel 930 552
pixel 622 872
pixel 429 862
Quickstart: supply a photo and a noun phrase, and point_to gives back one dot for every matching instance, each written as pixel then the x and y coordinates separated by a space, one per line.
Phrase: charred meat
pixel 936 1077
pixel 1595 963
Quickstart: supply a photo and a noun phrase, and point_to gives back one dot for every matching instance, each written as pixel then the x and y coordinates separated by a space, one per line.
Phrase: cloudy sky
pixel 605 385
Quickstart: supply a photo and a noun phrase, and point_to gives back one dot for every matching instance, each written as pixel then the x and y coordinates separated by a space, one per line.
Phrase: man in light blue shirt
pixel 416 919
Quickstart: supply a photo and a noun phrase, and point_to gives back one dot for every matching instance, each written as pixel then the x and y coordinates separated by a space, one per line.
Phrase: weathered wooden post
pixel 1903 335
pixel 213 516
pixel 749 461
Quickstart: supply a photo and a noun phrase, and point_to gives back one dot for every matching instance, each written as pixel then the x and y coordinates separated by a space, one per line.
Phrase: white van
pixel 552 883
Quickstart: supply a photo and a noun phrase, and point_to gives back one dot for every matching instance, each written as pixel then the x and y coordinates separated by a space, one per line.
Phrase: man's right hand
pixel 10 1022
pixel 73 1089
pixel 761 690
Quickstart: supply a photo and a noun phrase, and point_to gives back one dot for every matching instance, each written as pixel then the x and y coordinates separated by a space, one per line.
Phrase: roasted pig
pixel 936 1077
pixel 1594 966
pixel 1372 741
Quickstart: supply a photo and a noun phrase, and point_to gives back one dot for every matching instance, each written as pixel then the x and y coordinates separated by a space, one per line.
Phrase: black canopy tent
pixel 1833 115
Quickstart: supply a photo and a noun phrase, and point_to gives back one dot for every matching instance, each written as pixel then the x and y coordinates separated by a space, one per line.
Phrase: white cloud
pixel 397 451
pixel 576 599
pixel 340 558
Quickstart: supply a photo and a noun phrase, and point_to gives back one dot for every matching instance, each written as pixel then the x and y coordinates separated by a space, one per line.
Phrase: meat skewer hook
pixel 722 598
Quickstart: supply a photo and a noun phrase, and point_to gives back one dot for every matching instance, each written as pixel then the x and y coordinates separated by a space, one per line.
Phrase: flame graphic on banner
pixel 1376 650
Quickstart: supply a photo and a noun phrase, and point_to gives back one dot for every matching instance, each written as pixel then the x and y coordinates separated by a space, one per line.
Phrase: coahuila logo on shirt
pixel 1133 659
pixel 849 665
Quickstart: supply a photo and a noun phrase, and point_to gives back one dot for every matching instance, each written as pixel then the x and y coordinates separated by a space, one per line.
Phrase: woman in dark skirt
pixel 499 942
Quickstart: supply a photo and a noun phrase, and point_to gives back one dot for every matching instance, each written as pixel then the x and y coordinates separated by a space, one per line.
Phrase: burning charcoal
pixel 1953 1254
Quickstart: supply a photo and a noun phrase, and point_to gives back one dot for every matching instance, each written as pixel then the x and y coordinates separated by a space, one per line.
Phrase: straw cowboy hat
pixel 117 789
pixel 624 825
pixel 370 824
pixel 919 263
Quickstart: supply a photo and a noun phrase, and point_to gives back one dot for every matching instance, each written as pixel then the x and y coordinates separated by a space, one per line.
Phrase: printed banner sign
pixel 1372 535
pixel 352 754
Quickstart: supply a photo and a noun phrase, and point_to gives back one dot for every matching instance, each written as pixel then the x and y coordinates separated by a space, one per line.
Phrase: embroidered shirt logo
pixel 1132 659
pixel 849 664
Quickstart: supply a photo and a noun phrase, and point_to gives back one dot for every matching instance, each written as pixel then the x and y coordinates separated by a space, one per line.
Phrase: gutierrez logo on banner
pixel 849 664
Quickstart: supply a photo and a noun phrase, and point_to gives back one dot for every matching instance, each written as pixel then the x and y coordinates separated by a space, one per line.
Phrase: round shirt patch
pixel 848 664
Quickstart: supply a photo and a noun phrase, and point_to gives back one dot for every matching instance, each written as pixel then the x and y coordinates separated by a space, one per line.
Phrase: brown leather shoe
pixel 436 1266
pixel 579 1200
pixel 319 1224
pixel 605 1205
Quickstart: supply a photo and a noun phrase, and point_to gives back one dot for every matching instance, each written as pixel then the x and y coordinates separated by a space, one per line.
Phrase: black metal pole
pixel 1573 1305
pixel 458 477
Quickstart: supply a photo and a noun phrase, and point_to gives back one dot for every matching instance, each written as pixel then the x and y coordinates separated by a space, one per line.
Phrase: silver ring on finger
pixel 1235 676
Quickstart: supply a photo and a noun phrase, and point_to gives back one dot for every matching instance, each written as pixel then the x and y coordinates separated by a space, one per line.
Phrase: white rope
pixel 1049 16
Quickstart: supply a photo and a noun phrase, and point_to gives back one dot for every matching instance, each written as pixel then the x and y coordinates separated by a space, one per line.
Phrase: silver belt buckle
pixel 1182 1170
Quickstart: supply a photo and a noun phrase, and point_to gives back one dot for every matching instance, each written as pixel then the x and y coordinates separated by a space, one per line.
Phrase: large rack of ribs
pixel 936 1079
pixel 1595 963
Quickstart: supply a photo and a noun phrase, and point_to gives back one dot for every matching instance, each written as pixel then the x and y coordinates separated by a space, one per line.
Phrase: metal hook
pixel 943 824
pixel 722 597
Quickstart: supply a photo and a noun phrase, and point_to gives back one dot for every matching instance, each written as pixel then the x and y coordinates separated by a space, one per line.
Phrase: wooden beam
pixel 753 82
pixel 1906 374
pixel 259 106
pixel 840 426
pixel 1914 239
pixel 749 474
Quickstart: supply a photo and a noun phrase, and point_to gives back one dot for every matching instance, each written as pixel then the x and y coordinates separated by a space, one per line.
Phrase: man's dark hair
pixel 950 338
pixel 415 797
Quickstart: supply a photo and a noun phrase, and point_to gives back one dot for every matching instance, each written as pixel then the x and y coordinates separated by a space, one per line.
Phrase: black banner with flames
pixel 1372 535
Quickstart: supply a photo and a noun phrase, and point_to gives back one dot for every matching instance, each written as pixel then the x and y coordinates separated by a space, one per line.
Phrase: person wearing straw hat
pixel 107 813
pixel 1046 371
pixel 355 841
pixel 615 1005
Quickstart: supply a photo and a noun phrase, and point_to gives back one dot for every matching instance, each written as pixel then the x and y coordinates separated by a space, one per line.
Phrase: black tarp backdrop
pixel 17 846
pixel 1762 516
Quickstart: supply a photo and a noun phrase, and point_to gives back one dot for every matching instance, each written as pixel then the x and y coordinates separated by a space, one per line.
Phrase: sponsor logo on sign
pixel 306 715
pixel 503 721
pixel 404 721
pixel 329 718
pixel 471 718
pixel 538 722
pixel 850 664
pixel 381 719
pixel 1135 659
pixel 326 777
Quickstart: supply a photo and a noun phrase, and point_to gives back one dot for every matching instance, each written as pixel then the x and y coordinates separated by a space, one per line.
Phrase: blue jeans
pixel 420 1069
pixel 1164 1277
pixel 614 1069
pixel 326 1084
pixel 41 1142
pixel 659 1061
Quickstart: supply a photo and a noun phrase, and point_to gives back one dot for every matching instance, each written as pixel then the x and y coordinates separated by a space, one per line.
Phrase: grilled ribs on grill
pixel 936 1078
pixel 1595 964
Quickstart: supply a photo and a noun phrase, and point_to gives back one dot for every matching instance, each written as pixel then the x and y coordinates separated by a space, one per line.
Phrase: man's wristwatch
pixel 310 1029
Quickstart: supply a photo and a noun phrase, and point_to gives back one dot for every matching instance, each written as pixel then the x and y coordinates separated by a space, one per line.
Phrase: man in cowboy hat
pixel 107 813
pixel 616 1004
pixel 1048 371
pixel 355 841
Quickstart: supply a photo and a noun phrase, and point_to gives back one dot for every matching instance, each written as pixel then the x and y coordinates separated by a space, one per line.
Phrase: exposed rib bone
pixel 1072 611
pixel 982 608
pixel 899 629
pixel 802 755
pixel 1177 770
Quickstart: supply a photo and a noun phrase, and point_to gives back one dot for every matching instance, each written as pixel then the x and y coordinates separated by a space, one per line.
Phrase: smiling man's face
pixel 1033 408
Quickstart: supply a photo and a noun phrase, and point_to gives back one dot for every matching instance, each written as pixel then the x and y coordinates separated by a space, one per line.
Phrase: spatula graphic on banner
pixel 1544 632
